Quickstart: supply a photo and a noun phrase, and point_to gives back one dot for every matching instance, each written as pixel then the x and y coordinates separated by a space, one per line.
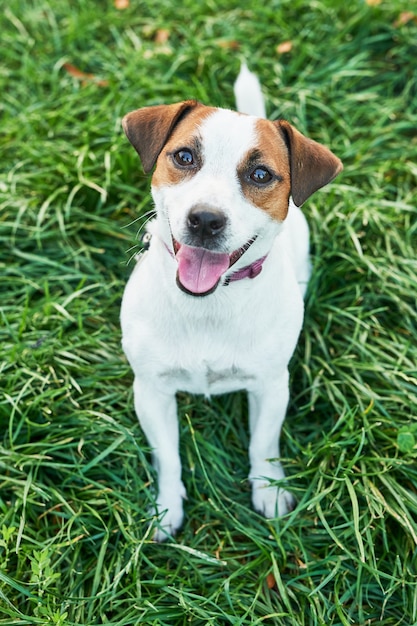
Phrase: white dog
pixel 216 303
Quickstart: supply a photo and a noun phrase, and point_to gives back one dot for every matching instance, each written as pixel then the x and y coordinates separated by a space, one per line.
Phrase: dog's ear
pixel 148 129
pixel 311 165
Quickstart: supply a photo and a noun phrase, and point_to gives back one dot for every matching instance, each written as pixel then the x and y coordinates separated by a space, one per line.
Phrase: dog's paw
pixel 271 501
pixel 170 511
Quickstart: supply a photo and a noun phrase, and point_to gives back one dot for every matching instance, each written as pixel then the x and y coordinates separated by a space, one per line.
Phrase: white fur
pixel 242 336
pixel 248 93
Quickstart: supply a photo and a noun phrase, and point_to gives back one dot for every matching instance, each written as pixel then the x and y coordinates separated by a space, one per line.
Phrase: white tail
pixel 248 93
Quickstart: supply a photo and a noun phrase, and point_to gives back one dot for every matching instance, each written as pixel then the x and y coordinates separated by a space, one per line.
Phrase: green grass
pixel 75 474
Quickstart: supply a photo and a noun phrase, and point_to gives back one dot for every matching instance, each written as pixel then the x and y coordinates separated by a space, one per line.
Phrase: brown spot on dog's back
pixel 270 152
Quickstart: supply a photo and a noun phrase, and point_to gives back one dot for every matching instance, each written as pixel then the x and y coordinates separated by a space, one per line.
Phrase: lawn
pixel 75 476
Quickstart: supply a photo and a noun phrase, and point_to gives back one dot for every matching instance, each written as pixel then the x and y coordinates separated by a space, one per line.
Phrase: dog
pixel 215 304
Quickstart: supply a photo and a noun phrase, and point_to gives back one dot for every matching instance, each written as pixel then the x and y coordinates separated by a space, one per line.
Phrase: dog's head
pixel 223 182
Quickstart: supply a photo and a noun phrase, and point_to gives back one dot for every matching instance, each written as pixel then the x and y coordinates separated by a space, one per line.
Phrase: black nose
pixel 205 223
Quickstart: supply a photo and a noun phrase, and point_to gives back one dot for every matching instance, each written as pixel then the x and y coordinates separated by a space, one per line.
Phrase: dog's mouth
pixel 200 270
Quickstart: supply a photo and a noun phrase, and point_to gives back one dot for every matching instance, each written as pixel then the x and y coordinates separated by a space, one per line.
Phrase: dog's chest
pixel 204 355
pixel 207 378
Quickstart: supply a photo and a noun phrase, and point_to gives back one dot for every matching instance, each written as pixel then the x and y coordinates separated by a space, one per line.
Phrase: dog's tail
pixel 248 93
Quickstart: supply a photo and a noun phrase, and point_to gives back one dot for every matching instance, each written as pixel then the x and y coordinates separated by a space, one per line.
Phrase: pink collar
pixel 250 271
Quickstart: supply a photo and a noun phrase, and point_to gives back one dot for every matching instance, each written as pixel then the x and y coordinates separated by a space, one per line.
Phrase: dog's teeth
pixel 176 245
pixel 235 256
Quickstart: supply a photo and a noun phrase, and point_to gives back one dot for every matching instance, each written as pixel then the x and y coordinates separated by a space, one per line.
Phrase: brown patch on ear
pixel 148 129
pixel 311 165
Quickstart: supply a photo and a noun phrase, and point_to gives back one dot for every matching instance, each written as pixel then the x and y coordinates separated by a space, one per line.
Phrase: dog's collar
pixel 250 271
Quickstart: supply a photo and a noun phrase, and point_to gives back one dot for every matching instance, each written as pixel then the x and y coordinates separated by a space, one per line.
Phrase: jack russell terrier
pixel 216 303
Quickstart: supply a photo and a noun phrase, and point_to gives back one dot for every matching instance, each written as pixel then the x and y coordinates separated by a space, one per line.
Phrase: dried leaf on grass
pixel 284 47
pixel 84 77
pixel 404 18
pixel 270 581
pixel 162 36
pixel 161 41
pixel 228 44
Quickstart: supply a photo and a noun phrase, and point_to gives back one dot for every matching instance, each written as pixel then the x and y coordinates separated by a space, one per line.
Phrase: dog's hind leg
pixel 157 414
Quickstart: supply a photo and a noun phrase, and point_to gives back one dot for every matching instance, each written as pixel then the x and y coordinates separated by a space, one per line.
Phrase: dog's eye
pixel 261 175
pixel 184 158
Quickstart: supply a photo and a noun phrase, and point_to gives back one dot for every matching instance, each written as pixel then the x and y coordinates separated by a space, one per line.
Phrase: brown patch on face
pixel 184 137
pixel 270 154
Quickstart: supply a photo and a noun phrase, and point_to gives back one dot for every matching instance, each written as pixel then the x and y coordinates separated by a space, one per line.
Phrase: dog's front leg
pixel 157 414
pixel 267 410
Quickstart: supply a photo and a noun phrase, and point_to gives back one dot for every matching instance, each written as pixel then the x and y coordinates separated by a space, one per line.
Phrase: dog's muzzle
pixel 200 267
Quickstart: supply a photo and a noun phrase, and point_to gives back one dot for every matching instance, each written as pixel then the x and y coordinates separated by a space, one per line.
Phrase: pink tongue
pixel 199 269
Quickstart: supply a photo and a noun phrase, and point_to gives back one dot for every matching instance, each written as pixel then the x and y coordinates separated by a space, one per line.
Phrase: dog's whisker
pixel 145 217
pixel 144 225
